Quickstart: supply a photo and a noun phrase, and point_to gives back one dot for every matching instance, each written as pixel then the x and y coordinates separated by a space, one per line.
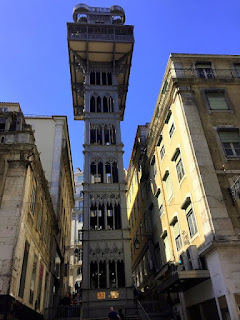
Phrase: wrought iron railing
pixel 71 311
pixel 190 73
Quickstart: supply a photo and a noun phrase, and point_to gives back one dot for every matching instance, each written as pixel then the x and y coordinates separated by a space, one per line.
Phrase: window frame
pixel 187 206
pixel 220 91
pixel 222 148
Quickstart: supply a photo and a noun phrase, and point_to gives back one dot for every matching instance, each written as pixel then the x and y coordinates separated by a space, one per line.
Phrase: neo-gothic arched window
pixel 101 78
pixel 110 271
pixel 111 172
pixel 96 171
pixel 92 104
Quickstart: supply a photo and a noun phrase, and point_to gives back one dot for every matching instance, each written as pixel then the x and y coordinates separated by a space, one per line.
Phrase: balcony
pixel 202 74
pixel 177 280
pixel 106 33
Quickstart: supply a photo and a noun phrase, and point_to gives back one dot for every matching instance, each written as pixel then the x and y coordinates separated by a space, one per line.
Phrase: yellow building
pixel 27 219
pixel 191 162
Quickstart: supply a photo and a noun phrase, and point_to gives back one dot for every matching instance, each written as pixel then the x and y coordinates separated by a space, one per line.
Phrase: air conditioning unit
pixel 193 258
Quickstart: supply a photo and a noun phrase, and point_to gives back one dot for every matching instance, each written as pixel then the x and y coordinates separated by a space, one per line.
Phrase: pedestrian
pixel 113 315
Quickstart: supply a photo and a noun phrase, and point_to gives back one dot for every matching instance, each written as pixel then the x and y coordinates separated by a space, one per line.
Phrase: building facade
pixel 100 51
pixel 52 139
pixel 28 223
pixel 76 253
pixel 192 162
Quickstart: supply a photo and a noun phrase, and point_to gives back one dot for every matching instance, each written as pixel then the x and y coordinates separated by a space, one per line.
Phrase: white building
pixel 75 276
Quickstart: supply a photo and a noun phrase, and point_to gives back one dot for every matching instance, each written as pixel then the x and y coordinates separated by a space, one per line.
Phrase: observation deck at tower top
pixel 98 37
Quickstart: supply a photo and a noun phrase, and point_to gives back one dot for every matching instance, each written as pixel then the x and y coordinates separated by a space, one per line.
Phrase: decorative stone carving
pixel 106 251
pixel 104 198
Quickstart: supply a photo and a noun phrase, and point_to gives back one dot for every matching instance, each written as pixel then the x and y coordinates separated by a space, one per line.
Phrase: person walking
pixel 113 315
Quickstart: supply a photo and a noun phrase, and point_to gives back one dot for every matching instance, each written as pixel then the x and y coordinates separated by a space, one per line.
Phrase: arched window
pixel 96 170
pixel 104 78
pixel 93 275
pixel 110 103
pixel 121 274
pixel 92 104
pixel 110 217
pixel 98 78
pixel 92 77
pixel 114 172
pixel 111 172
pixel 117 215
pixel 112 275
pixel 109 77
pixel 92 134
pixel 102 274
pixel 113 135
pixel 106 135
pixel 105 104
pixel 99 109
pixel 95 134
pixel 99 134
pixel 97 217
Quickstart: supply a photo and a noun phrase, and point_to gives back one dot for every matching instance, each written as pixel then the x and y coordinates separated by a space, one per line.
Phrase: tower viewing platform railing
pixel 103 32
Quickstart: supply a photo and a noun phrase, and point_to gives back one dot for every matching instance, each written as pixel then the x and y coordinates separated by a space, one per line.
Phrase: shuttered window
pixel 217 101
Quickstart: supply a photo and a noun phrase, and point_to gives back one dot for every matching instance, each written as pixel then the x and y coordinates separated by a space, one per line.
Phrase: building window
pixel 192 225
pixel 217 100
pixel 230 140
pixel 40 215
pixel 80 235
pixel 158 195
pixel 33 279
pixel 80 178
pixel 162 151
pixel 2 124
pixel 96 172
pixel 176 233
pixel 179 164
pixel 24 270
pixel 204 70
pixel 80 216
pixel 166 246
pixel 33 197
pixel 171 130
pixel 168 185
pixel 237 69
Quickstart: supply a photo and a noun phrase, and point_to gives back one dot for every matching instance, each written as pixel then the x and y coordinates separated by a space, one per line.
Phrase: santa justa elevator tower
pixel 100 52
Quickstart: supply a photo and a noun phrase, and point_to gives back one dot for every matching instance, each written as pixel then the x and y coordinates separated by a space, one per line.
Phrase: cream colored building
pixel 27 221
pixel 192 161
pixel 52 139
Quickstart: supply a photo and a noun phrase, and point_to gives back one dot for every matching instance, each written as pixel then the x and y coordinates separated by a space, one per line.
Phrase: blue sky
pixel 34 68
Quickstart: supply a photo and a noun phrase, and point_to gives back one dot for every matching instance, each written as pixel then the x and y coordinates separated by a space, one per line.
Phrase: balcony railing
pixel 121 34
pixel 71 311
pixel 209 74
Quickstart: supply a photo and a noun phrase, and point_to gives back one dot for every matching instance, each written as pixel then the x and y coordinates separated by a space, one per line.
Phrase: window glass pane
pixel 229 136
pixel 217 101
pixel 191 222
